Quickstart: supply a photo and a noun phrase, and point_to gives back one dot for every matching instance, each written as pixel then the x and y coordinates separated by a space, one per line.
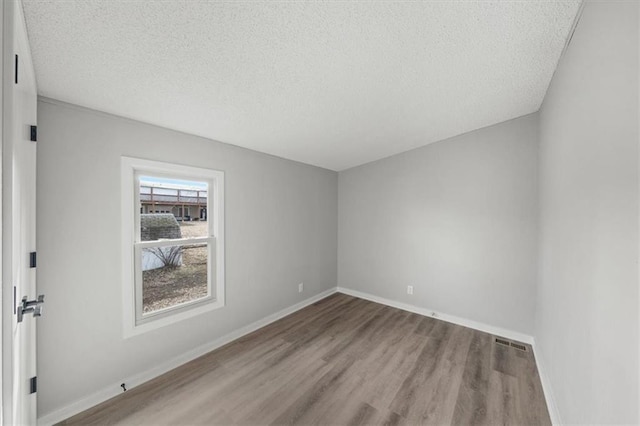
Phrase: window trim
pixel 131 168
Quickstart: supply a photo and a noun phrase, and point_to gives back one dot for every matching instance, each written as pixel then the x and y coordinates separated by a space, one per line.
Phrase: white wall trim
pixel 509 334
pixel 133 381
pixel 552 407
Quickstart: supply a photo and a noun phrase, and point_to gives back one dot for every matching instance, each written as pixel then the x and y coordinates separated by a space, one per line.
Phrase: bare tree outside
pixel 171 257
pixel 183 277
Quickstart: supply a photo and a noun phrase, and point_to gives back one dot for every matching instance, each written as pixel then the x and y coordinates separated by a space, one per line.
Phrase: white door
pixel 18 217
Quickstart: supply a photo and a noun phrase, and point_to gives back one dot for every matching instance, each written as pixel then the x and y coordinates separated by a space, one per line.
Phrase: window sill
pixel 132 330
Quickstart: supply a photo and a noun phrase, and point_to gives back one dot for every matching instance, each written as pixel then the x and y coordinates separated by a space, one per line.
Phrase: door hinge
pixel 34 133
pixel 32 259
pixel 33 384
pixel 16 70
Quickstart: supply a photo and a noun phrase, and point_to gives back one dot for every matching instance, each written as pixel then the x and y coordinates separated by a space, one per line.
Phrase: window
pixel 173 269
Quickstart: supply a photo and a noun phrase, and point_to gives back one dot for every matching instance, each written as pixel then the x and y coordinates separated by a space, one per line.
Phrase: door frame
pixel 7 286
pixel 13 30
pixel 6 308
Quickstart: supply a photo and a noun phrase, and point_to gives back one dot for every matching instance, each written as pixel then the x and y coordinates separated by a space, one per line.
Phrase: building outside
pixel 185 202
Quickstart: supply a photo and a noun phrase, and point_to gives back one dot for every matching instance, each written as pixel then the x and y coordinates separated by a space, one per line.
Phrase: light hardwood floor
pixel 342 360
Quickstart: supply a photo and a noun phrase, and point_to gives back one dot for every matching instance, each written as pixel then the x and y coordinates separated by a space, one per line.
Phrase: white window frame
pixel 134 322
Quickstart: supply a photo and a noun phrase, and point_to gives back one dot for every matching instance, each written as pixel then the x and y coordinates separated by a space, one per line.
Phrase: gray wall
pixel 456 219
pixel 281 229
pixel 587 317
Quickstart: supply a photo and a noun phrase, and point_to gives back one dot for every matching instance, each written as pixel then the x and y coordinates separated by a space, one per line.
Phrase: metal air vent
pixel 516 345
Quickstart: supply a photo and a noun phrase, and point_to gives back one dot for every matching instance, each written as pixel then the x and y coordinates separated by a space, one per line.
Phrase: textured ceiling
pixel 334 84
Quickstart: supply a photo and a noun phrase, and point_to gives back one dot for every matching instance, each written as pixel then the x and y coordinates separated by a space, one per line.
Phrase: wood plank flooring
pixel 342 361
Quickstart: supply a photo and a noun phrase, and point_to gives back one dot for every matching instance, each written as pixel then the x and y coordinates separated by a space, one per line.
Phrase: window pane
pixel 172 275
pixel 172 208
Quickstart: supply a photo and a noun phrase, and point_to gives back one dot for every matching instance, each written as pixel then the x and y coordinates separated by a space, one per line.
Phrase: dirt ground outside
pixel 170 286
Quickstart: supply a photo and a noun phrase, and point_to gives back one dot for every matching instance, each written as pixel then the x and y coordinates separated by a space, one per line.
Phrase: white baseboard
pixel 497 331
pixel 113 390
pixel 554 413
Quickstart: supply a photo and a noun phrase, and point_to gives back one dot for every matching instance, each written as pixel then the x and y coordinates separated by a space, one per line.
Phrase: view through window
pixel 174 243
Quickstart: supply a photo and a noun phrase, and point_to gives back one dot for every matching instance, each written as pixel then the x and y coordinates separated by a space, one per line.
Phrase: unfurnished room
pixel 347 212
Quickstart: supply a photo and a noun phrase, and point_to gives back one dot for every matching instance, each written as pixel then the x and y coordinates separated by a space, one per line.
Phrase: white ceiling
pixel 330 83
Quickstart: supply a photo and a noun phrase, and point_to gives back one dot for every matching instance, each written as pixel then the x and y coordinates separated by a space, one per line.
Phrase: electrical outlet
pixel 409 289
pixel 300 287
